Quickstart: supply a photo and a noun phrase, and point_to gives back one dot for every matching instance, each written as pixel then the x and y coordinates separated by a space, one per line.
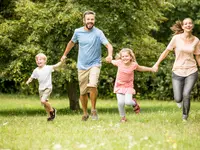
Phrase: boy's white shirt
pixel 44 76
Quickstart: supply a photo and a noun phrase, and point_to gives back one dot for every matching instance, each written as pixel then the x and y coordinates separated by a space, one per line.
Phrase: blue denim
pixel 182 87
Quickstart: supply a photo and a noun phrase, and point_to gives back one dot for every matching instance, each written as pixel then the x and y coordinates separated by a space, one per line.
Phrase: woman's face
pixel 187 25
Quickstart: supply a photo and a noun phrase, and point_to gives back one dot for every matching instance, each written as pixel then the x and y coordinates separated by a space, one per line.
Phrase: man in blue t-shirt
pixel 89 39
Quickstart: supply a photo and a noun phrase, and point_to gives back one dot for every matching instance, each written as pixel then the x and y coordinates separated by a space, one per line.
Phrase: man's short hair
pixel 88 13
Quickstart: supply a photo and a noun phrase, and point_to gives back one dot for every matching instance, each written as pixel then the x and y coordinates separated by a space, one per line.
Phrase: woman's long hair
pixel 177 27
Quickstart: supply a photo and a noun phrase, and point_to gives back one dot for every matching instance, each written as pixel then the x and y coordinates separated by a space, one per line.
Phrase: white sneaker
pixel 94 115
pixel 179 105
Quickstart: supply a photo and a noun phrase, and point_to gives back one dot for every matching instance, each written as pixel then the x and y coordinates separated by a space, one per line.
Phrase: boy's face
pixel 40 61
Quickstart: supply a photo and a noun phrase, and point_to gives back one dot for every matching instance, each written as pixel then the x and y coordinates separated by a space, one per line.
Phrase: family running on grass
pixel 90 38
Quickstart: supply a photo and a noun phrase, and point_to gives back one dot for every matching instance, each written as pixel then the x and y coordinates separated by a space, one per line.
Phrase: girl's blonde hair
pixel 129 51
pixel 41 55
pixel 177 27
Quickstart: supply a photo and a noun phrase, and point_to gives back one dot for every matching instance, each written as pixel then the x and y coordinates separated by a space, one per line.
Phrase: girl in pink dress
pixel 184 71
pixel 124 87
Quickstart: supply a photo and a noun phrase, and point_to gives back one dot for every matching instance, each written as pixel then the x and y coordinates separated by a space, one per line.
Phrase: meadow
pixel 159 126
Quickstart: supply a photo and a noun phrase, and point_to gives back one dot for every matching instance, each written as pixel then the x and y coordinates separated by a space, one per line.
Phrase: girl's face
pixel 40 61
pixel 126 58
pixel 187 25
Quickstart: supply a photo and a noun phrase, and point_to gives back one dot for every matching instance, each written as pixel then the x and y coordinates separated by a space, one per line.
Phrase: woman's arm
pixel 160 59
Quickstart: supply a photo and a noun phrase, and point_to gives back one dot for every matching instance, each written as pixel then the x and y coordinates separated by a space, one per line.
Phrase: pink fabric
pixel 185 63
pixel 125 77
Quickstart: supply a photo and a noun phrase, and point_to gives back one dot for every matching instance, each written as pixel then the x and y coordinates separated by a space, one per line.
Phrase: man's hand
pixel 63 58
pixel 109 59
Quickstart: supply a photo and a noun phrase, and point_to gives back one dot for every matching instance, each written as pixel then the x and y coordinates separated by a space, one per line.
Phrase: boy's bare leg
pixel 47 110
pixel 48 107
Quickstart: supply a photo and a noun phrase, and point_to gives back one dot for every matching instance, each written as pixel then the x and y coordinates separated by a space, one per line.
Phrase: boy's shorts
pixel 44 94
pixel 88 78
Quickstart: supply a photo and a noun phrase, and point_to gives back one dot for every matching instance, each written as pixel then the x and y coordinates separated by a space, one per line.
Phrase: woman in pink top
pixel 124 87
pixel 184 71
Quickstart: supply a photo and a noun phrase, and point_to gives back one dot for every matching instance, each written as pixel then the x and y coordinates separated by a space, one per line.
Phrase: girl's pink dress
pixel 125 77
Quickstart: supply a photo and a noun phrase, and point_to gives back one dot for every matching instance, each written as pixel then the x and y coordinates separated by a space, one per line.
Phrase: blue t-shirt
pixel 89 53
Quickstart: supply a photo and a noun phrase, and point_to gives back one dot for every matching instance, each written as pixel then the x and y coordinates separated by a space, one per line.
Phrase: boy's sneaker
pixel 52 115
pixel 94 115
pixel 123 119
pixel 85 118
pixel 136 108
pixel 50 119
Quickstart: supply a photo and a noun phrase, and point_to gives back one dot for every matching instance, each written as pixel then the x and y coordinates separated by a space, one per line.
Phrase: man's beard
pixel 89 26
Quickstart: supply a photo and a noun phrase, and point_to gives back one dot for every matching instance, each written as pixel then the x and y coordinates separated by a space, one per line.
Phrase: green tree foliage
pixel 37 26
pixel 46 26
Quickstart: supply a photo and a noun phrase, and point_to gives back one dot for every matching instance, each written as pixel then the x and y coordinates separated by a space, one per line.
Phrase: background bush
pixel 32 26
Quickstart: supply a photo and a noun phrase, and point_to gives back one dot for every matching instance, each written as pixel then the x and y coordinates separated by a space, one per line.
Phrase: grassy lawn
pixel 159 126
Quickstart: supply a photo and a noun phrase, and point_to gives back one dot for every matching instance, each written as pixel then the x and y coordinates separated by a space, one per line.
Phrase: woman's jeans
pixel 182 87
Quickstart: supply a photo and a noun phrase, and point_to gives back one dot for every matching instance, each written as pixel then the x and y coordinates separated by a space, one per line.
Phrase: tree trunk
pixel 73 95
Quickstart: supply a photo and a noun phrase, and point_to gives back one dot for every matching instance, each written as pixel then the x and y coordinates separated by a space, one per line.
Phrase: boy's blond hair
pixel 41 55
pixel 130 52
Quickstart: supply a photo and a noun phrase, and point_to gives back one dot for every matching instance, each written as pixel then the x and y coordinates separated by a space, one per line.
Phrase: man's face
pixel 89 21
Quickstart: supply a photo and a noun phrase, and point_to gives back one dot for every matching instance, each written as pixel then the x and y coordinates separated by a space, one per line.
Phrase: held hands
pixel 109 59
pixel 155 68
pixel 63 58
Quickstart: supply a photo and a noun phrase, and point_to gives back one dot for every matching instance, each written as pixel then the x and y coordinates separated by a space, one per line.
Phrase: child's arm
pixel 58 64
pixel 144 68
pixel 29 80
pixel 112 62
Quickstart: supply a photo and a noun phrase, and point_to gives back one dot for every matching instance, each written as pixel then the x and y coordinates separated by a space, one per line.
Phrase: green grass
pixel 23 126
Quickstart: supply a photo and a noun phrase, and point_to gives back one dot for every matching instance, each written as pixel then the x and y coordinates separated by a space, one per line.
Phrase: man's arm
pixel 110 52
pixel 68 48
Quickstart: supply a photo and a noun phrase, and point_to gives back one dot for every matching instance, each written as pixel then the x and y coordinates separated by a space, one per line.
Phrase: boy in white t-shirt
pixel 43 73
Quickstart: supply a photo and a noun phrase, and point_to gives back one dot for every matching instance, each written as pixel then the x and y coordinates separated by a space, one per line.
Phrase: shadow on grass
pixel 67 111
